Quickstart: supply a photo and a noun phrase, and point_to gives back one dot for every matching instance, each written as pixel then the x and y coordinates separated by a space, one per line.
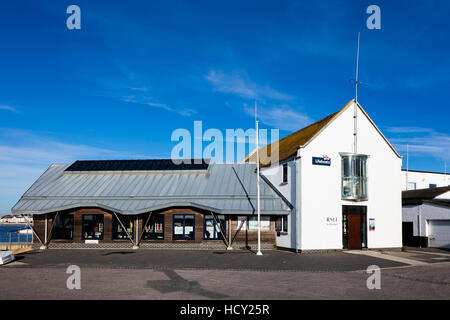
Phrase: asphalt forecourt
pixel 271 260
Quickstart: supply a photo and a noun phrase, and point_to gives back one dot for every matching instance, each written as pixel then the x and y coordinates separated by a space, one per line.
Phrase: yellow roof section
pixel 288 145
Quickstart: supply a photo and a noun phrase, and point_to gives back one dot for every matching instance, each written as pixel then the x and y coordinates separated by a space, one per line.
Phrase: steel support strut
pixel 124 229
pixel 34 231
pixel 143 228
pixel 49 238
pixel 220 228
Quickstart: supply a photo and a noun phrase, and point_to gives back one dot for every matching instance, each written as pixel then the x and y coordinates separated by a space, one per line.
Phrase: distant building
pixel 426 217
pixel 413 179
pixel 15 219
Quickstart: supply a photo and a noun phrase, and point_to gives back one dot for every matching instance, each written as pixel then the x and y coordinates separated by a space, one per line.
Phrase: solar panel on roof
pixel 137 165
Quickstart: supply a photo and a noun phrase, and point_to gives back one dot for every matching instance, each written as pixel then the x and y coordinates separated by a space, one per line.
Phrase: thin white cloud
pixel 282 117
pixel 143 101
pixel 235 84
pixel 409 130
pixel 9 108
pixel 423 142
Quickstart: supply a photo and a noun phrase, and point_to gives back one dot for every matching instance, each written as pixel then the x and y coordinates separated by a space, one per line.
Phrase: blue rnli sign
pixel 323 161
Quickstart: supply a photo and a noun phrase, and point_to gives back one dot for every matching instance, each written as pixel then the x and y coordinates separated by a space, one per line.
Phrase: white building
pixel 413 179
pixel 426 217
pixel 344 197
pixel 15 219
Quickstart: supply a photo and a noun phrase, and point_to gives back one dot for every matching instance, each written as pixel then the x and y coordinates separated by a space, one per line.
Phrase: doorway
pixel 354 230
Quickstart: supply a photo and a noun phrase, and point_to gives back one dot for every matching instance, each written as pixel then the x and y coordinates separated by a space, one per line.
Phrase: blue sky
pixel 137 70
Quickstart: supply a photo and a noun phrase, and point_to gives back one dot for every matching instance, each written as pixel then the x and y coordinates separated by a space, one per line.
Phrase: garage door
pixel 439 235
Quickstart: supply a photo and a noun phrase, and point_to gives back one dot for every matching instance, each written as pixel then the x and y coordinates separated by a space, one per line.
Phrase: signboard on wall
pixel 321 161
pixel 371 224
pixel 253 223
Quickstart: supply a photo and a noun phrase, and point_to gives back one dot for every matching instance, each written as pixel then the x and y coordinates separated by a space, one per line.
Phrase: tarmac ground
pixel 237 275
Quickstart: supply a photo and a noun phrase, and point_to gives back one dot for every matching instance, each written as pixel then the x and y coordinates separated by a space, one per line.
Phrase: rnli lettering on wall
pixel 321 161
pixel 332 221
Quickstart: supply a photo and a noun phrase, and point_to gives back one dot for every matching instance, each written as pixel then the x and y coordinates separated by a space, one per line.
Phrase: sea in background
pixel 5 229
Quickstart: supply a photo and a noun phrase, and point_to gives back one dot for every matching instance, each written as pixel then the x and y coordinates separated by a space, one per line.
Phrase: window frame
pixel 83 228
pixel 354 177
pixel 412 183
pixel 218 234
pixel 65 216
pixel 281 224
pixel 184 226
pixel 114 228
pixel 153 233
pixel 285 178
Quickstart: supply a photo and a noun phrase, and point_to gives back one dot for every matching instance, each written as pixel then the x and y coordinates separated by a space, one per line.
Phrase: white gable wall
pixel 320 194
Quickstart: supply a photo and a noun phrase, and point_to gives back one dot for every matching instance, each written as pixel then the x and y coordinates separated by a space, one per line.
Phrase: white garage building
pixel 426 217
pixel 414 179
pixel 344 179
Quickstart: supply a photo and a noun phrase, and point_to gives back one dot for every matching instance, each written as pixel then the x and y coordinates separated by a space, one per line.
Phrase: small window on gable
pixel 285 173
pixel 411 186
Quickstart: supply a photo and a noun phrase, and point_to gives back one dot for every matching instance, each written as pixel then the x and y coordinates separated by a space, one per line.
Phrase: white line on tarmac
pixel 386 256
pixel 433 253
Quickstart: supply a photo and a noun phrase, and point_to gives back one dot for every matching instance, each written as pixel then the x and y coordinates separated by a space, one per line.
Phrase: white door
pixel 439 235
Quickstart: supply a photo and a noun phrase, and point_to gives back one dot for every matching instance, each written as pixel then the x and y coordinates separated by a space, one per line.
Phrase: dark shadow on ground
pixel 118 252
pixel 178 283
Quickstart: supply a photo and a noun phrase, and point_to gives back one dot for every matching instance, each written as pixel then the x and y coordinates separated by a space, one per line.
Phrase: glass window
pixel 183 227
pixel 118 232
pixel 354 177
pixel 433 185
pixel 411 186
pixel 285 173
pixel 213 230
pixel 92 227
pixel 154 230
pixel 63 228
pixel 281 224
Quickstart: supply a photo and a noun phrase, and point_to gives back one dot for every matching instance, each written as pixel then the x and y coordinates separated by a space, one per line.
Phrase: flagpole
pixel 259 253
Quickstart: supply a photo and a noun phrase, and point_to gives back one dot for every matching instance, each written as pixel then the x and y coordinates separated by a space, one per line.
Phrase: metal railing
pixel 20 238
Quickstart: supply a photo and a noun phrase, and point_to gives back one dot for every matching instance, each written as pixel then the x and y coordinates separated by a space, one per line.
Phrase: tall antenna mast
pixel 355 115
pixel 357 66
pixel 259 253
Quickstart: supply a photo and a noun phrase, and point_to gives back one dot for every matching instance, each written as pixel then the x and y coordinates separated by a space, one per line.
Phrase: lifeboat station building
pixel 343 178
pixel 151 203
pixel 336 185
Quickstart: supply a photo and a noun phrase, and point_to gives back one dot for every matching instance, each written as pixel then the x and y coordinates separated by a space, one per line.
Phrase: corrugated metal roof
pixel 223 188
